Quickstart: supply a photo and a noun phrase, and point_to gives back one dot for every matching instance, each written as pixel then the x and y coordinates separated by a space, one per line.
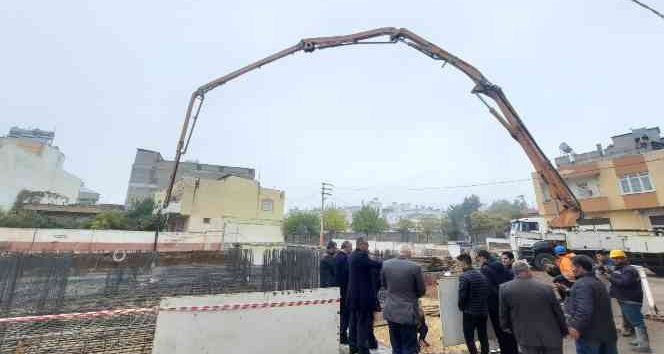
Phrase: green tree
pixel 368 221
pixel 506 209
pixel 112 219
pixel 427 226
pixel 302 224
pixel 459 215
pixel 485 223
pixel 141 216
pixel 334 221
pixel 20 218
pixel 404 226
pixel 445 225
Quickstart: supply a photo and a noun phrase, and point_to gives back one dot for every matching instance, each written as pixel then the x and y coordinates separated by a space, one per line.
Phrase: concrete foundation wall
pixel 281 330
pixel 12 239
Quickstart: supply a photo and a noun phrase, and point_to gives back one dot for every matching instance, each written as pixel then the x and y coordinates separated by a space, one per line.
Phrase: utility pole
pixel 325 190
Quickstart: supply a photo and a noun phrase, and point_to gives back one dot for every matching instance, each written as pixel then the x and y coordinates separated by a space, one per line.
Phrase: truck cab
pixel 532 240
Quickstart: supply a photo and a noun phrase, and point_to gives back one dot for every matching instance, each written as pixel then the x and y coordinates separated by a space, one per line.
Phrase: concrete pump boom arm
pixel 569 207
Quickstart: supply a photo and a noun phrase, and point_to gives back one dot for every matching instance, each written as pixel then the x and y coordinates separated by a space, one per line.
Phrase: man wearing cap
pixel 626 288
pixel 563 270
pixel 564 262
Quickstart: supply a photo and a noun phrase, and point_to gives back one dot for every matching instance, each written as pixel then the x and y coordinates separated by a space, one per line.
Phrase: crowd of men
pixel 527 315
pixel 359 278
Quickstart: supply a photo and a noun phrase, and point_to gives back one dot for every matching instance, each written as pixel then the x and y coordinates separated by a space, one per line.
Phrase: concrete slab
pixel 301 329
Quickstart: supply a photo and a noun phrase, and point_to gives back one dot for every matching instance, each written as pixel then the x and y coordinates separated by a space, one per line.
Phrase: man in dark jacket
pixel 361 296
pixel 405 285
pixel 341 274
pixel 590 320
pixel 496 274
pixel 473 303
pixel 327 265
pixel 530 310
pixel 626 288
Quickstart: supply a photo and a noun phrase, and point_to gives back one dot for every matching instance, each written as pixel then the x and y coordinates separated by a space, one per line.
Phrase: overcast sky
pixel 374 120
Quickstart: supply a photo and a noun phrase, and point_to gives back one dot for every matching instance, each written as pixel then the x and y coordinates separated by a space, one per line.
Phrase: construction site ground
pixel 655 328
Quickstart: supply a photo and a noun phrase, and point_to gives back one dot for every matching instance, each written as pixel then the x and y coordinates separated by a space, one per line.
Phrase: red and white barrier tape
pixel 69 316
pixel 251 306
pixel 108 313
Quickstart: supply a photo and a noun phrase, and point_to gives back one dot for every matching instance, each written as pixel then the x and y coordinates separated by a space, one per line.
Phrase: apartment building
pixel 238 208
pixel 620 187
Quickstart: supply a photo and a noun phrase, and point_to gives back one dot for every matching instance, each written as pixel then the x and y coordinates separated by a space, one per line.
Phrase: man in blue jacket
pixel 626 288
pixel 590 319
pixel 361 296
pixel 495 274
pixel 341 273
pixel 473 303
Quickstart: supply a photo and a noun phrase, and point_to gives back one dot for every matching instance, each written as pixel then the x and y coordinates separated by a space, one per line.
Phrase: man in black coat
pixel 361 296
pixel 473 303
pixel 327 265
pixel 590 319
pixel 341 273
pixel 495 274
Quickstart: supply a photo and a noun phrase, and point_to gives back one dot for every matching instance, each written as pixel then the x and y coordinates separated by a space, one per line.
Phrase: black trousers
pixel 344 315
pixel 361 326
pixel 403 338
pixel 471 323
pixel 506 341
pixel 541 350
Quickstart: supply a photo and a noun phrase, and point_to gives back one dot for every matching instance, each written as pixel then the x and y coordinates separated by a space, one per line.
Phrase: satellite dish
pixel 565 148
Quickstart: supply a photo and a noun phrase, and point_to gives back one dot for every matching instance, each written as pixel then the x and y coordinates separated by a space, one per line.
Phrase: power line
pixel 483 184
pixel 648 8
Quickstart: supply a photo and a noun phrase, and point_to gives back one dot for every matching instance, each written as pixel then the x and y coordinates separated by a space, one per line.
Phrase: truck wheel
pixel 542 259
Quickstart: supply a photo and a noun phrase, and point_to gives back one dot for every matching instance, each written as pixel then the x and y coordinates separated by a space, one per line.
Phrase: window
pixel 267 205
pixel 206 220
pixel 529 226
pixel 636 183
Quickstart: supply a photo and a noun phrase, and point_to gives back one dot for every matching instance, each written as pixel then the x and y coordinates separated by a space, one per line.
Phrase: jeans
pixel 360 326
pixel 583 347
pixel 470 324
pixel 403 338
pixel 632 311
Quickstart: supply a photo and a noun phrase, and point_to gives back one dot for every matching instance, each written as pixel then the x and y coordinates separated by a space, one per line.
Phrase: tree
pixel 459 215
pixel 427 227
pixel 20 218
pixel 112 219
pixel 334 221
pixel 140 216
pixel 506 209
pixel 368 221
pixel 302 224
pixel 404 226
pixel 484 223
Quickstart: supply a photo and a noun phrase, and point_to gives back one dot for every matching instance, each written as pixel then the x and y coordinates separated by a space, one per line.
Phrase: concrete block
pixel 301 329
pixel 451 317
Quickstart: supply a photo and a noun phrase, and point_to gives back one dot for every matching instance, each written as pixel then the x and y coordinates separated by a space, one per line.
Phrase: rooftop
pixel 638 141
